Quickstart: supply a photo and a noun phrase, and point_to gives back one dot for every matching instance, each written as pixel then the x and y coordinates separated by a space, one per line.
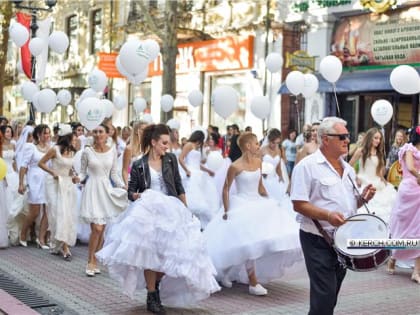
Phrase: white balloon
pixel 331 68
pixel 274 62
pixel 139 104
pixel 152 47
pixel 47 100
pixel 260 106
pixel 225 100
pixel 36 46
pixel 108 107
pixel 166 103
pixel 121 69
pixel 91 112
pixel 295 82
pixel 134 57
pixel 58 42
pixel 35 100
pixel 195 98
pixel 28 89
pixel 381 112
pixel 311 85
pixel 19 34
pixel 120 101
pixel 405 80
pixel 173 124
pixel 97 80
pixel 64 97
pixel 139 78
pixel 214 160
pixel 147 118
pixel 88 93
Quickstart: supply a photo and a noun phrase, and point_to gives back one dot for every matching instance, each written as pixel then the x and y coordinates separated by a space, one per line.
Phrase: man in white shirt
pixel 322 189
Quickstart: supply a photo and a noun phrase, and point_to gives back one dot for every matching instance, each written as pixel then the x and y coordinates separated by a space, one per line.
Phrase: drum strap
pixel 323 233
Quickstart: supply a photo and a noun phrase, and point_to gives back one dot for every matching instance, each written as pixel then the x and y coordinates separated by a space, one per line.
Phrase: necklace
pixel 42 148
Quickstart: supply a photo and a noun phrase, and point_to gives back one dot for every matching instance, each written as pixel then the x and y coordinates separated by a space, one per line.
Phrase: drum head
pixel 371 227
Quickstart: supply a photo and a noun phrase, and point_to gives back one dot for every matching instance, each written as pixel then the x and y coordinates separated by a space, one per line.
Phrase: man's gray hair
pixel 327 126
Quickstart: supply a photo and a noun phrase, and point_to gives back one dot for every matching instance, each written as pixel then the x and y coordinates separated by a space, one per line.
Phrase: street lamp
pixel 34 26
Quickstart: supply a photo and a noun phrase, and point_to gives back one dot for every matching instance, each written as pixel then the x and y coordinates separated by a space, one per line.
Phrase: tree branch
pixel 150 21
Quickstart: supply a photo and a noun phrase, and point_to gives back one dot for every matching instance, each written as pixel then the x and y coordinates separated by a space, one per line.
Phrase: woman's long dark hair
pixel 152 132
pixel 415 135
pixel 38 131
pixel 64 143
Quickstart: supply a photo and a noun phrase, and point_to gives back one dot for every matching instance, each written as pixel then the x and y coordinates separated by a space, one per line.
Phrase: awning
pixel 355 81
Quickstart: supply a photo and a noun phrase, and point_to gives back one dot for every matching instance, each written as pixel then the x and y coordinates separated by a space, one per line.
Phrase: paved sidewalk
pixel 66 284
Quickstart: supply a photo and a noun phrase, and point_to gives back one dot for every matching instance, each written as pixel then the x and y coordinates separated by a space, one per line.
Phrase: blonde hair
pixel 244 138
pixel 135 138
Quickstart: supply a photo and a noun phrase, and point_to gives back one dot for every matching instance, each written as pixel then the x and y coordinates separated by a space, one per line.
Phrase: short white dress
pixel 257 232
pixel 98 205
pixel 14 199
pixel 35 177
pixel 158 232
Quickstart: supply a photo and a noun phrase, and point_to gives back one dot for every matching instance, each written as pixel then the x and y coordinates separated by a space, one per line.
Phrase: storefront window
pixel 143 90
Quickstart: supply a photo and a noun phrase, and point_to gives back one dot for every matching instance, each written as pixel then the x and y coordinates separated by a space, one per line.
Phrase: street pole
pixel 34 27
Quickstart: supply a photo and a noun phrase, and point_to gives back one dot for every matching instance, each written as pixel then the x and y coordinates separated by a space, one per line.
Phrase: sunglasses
pixel 342 136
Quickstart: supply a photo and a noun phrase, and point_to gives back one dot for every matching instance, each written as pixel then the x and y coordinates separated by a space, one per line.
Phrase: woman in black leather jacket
pixel 157 238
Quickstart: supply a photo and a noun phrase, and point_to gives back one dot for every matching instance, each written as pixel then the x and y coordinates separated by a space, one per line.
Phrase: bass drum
pixel 367 226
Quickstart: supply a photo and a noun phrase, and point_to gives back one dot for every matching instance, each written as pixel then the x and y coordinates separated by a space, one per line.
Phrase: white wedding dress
pixel 275 188
pixel 385 196
pixel 61 201
pixel 257 230
pixel 200 190
pixel 158 232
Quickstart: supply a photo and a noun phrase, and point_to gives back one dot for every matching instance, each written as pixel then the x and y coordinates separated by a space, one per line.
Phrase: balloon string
pixel 336 99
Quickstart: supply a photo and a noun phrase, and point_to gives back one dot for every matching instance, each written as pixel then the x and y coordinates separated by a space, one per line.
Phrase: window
pixel 71 30
pixel 96 31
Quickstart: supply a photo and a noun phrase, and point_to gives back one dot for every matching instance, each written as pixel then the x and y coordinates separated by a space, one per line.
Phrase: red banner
pixel 25 54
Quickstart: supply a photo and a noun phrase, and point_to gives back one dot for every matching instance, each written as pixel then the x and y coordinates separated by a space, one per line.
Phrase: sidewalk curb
pixel 12 306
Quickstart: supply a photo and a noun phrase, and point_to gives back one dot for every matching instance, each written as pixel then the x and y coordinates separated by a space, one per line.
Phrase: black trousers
pixel 325 273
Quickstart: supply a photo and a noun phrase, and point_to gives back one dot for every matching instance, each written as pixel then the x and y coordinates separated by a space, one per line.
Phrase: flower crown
pixel 64 129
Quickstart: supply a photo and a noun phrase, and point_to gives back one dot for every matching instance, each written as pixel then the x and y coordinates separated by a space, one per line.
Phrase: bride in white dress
pixel 276 181
pixel 253 240
pixel 156 243
pixel 13 199
pixel 200 189
pixel 371 171
pixel 61 193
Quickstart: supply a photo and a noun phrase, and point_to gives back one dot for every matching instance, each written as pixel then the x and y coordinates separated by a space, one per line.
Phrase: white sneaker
pixel 257 290
pixel 226 282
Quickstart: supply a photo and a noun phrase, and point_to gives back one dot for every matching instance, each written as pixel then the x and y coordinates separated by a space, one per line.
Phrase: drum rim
pixel 364 255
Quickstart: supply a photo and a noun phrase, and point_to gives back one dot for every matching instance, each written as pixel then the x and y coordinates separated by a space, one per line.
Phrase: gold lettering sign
pixel 378 6
pixel 301 61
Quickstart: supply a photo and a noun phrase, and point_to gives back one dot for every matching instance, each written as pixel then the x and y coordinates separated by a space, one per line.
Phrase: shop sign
pixel 106 63
pixel 300 60
pixel 231 53
pixel 371 39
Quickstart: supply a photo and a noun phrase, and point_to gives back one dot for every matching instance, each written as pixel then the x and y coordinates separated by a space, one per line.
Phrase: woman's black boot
pixel 153 305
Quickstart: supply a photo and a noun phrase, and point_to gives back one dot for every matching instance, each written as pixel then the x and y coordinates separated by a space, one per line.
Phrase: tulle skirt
pixel 256 232
pixel 202 196
pixel 157 232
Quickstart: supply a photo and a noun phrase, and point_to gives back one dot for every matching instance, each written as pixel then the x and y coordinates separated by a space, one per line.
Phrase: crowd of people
pixel 157 213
